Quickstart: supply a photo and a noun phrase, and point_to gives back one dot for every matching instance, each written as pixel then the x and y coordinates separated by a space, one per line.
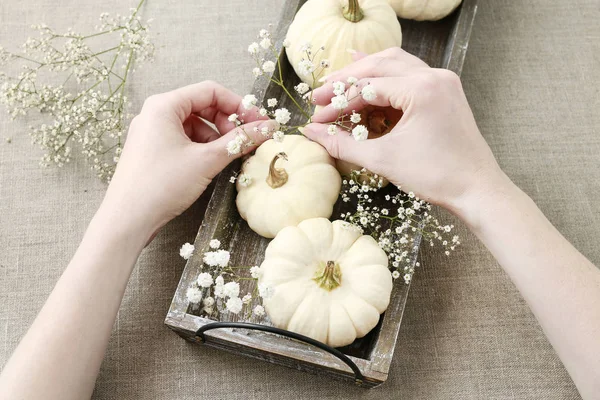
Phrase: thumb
pixel 236 143
pixel 341 146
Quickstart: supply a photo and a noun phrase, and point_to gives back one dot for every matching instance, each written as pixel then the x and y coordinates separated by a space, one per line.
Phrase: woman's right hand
pixel 435 150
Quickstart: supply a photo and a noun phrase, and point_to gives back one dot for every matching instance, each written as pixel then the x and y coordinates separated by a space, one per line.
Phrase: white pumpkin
pixel 329 281
pixel 339 25
pixel 285 183
pixel 424 10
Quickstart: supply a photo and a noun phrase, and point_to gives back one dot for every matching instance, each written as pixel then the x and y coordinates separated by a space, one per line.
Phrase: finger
pixel 217 151
pixel 389 92
pixel 341 146
pixel 196 98
pixel 198 130
pixel 390 62
pixel 221 121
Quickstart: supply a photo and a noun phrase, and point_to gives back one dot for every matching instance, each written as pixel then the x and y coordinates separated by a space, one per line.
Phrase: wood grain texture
pixel 441 44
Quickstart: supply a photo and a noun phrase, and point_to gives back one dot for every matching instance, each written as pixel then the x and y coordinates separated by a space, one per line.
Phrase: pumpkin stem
pixel 353 12
pixel 329 277
pixel 277 176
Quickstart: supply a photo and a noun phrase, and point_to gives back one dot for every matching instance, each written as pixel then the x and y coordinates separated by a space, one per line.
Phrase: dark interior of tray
pixel 427 40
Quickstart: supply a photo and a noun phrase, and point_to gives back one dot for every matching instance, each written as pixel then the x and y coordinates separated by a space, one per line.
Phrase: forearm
pixel 60 355
pixel 560 285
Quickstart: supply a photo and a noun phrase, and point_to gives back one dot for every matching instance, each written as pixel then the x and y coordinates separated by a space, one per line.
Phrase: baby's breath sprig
pixel 211 294
pixel 395 227
pixel 86 100
pixel 264 52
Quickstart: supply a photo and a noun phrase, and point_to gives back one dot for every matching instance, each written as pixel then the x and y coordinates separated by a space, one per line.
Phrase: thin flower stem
pixel 25 58
pixel 106 51
pixel 293 99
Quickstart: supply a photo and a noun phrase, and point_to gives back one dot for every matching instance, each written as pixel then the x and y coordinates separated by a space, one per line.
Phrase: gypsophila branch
pixel 87 108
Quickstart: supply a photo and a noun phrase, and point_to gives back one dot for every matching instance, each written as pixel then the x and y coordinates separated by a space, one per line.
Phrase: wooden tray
pixel 441 44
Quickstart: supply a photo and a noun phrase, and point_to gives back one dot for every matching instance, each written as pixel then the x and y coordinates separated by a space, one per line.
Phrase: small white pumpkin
pixel 424 10
pixel 287 182
pixel 338 25
pixel 329 281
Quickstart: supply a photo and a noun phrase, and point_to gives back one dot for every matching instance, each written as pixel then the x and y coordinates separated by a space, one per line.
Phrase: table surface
pixel 533 81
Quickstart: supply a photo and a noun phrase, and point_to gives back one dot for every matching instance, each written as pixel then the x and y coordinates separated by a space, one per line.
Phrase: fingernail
pixel 351 51
pixel 323 79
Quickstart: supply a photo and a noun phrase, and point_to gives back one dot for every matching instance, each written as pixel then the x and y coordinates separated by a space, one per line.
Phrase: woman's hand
pixel 435 150
pixel 171 154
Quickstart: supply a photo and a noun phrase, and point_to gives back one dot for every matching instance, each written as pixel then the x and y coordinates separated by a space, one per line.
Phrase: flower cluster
pixel 395 226
pixel 87 104
pixel 265 54
pixel 212 294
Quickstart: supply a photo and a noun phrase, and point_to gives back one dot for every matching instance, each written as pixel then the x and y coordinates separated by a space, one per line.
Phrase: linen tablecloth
pixel 532 77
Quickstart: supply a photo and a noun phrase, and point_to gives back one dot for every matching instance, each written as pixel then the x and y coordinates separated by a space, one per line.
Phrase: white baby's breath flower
pixel 268 66
pixel 205 280
pixel 255 272
pixel 305 47
pixel 186 251
pixel 257 72
pixel 264 131
pixel 355 118
pixel 339 88
pixel 232 179
pixel 395 274
pixel 231 289
pixel 339 102
pixel 263 112
pixel 282 115
pixel 278 136
pixel 306 67
pixel 265 291
pixel 407 278
pixel 249 101
pixel 234 147
pixel 232 118
pixel 247 299
pixel 259 311
pixel 214 244
pixel 265 43
pixel 234 305
pixel 332 130
pixel 253 48
pixel 194 295
pixel 302 88
pixel 368 93
pixel 219 258
pixel 263 33
pixel 351 80
pixel 244 180
pixel 272 102
pixel 219 281
pixel 325 63
pixel 360 132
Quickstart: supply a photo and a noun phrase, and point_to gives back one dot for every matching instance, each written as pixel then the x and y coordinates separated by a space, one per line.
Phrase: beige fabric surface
pixel 532 76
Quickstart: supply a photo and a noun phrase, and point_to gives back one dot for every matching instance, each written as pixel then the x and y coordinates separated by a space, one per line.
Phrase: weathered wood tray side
pixel 441 44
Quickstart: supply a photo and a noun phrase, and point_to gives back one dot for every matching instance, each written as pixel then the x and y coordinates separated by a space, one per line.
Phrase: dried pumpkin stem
pixel 277 177
pixel 329 277
pixel 353 12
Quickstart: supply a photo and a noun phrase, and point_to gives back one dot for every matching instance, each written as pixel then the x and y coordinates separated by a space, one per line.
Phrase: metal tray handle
pixel 358 376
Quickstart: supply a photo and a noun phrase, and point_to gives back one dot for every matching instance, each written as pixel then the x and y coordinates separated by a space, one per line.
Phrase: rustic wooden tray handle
pixel 358 376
